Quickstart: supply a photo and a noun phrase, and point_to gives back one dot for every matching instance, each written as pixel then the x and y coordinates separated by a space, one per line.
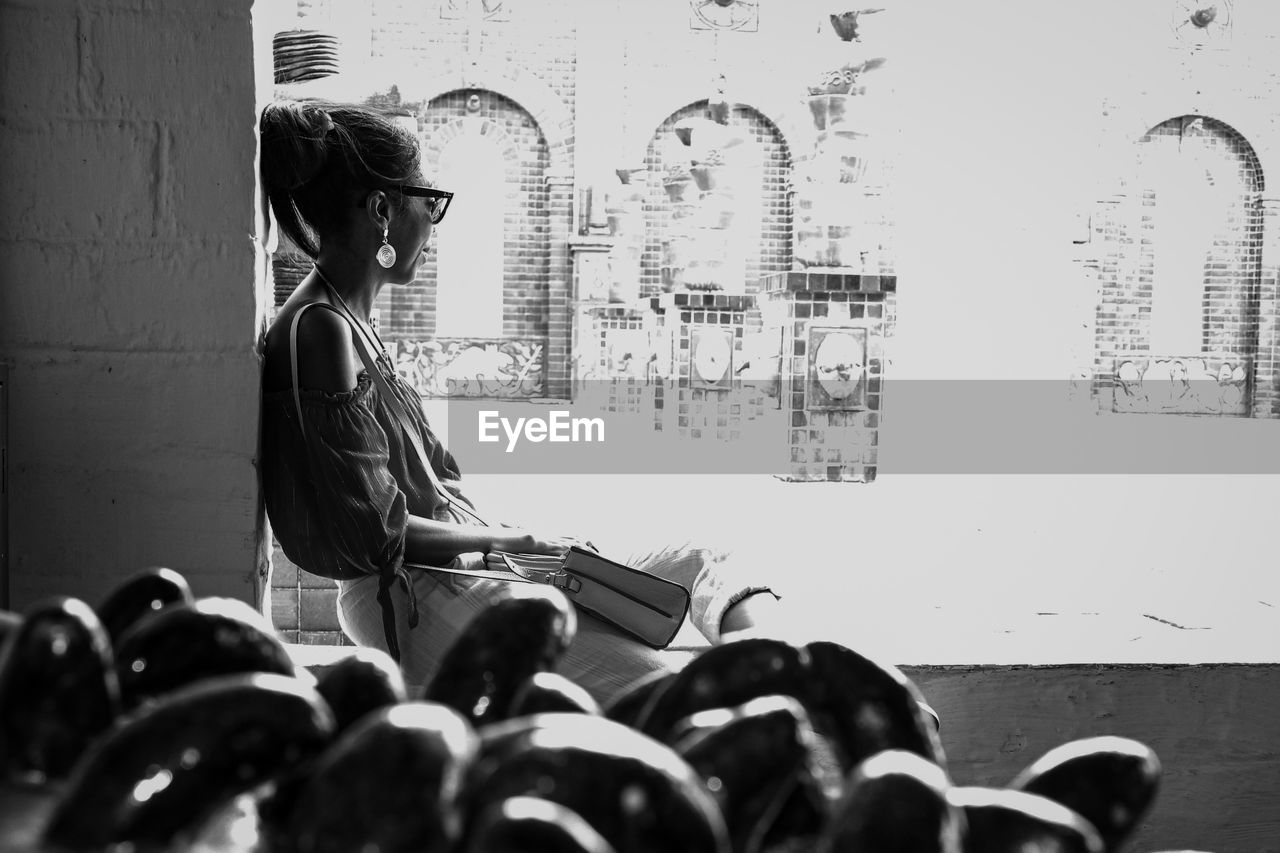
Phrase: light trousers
pixel 601 658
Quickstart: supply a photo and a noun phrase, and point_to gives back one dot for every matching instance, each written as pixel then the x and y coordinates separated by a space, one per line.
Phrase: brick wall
pixel 410 312
pixel 1223 226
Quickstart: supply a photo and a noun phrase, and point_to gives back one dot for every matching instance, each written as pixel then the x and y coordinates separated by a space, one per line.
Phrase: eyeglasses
pixel 437 200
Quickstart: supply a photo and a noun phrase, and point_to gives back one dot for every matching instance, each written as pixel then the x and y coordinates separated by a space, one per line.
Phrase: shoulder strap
pixel 293 359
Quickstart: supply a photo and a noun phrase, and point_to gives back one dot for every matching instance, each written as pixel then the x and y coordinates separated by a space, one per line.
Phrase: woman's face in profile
pixel 414 239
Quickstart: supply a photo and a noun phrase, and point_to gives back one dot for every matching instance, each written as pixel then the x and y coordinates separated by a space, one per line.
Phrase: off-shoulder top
pixel 340 498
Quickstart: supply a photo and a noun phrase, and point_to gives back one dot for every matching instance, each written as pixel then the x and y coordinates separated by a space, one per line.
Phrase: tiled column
pixel 1266 371
pixel 559 283
pixel 833 328
pixel 699 348
pixel 612 342
pixel 619 376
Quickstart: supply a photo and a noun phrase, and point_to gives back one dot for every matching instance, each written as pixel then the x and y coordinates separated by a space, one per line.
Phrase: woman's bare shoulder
pixel 327 359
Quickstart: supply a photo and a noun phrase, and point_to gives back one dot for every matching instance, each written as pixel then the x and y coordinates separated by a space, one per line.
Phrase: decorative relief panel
pixel 711 356
pixel 837 368
pixel 741 15
pixel 1194 386
pixel 472 368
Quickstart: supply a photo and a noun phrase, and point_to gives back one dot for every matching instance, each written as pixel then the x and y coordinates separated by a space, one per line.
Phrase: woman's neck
pixel 357 282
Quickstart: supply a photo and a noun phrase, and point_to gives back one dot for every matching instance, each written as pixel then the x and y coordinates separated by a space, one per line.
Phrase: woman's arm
pixel 432 542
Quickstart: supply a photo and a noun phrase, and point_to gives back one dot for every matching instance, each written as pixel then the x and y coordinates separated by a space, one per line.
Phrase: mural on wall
pixel 472 368
pixel 837 367
pixel 1195 385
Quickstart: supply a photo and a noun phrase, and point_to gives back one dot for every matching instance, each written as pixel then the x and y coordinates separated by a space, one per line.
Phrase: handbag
pixel 649 608
pixel 644 606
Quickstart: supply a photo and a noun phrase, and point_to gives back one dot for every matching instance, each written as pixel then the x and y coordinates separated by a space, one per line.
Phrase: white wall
pixel 129 302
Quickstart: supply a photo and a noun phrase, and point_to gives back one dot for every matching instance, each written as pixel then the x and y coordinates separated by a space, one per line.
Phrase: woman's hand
pixel 529 543
pixel 556 546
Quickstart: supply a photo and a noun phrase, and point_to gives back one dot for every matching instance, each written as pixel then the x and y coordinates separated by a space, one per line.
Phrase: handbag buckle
pixel 567 582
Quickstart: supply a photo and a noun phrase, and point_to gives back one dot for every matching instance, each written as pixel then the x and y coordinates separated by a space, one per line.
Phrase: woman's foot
pixel 760 614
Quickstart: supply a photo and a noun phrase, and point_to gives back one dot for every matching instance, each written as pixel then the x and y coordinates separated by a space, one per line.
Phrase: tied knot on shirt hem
pixel 387 580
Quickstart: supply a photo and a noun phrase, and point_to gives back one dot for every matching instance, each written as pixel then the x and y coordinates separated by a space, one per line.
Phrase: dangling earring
pixel 386 252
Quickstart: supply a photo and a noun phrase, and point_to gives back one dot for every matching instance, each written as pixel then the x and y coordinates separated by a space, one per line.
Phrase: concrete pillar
pixel 132 297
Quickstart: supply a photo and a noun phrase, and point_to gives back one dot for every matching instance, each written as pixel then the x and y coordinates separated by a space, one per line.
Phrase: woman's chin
pixel 411 275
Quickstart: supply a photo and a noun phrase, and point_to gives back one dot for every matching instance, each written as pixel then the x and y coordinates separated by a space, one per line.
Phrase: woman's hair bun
pixel 294 147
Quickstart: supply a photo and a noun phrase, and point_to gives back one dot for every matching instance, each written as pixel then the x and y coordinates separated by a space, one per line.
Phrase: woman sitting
pixel 346 492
